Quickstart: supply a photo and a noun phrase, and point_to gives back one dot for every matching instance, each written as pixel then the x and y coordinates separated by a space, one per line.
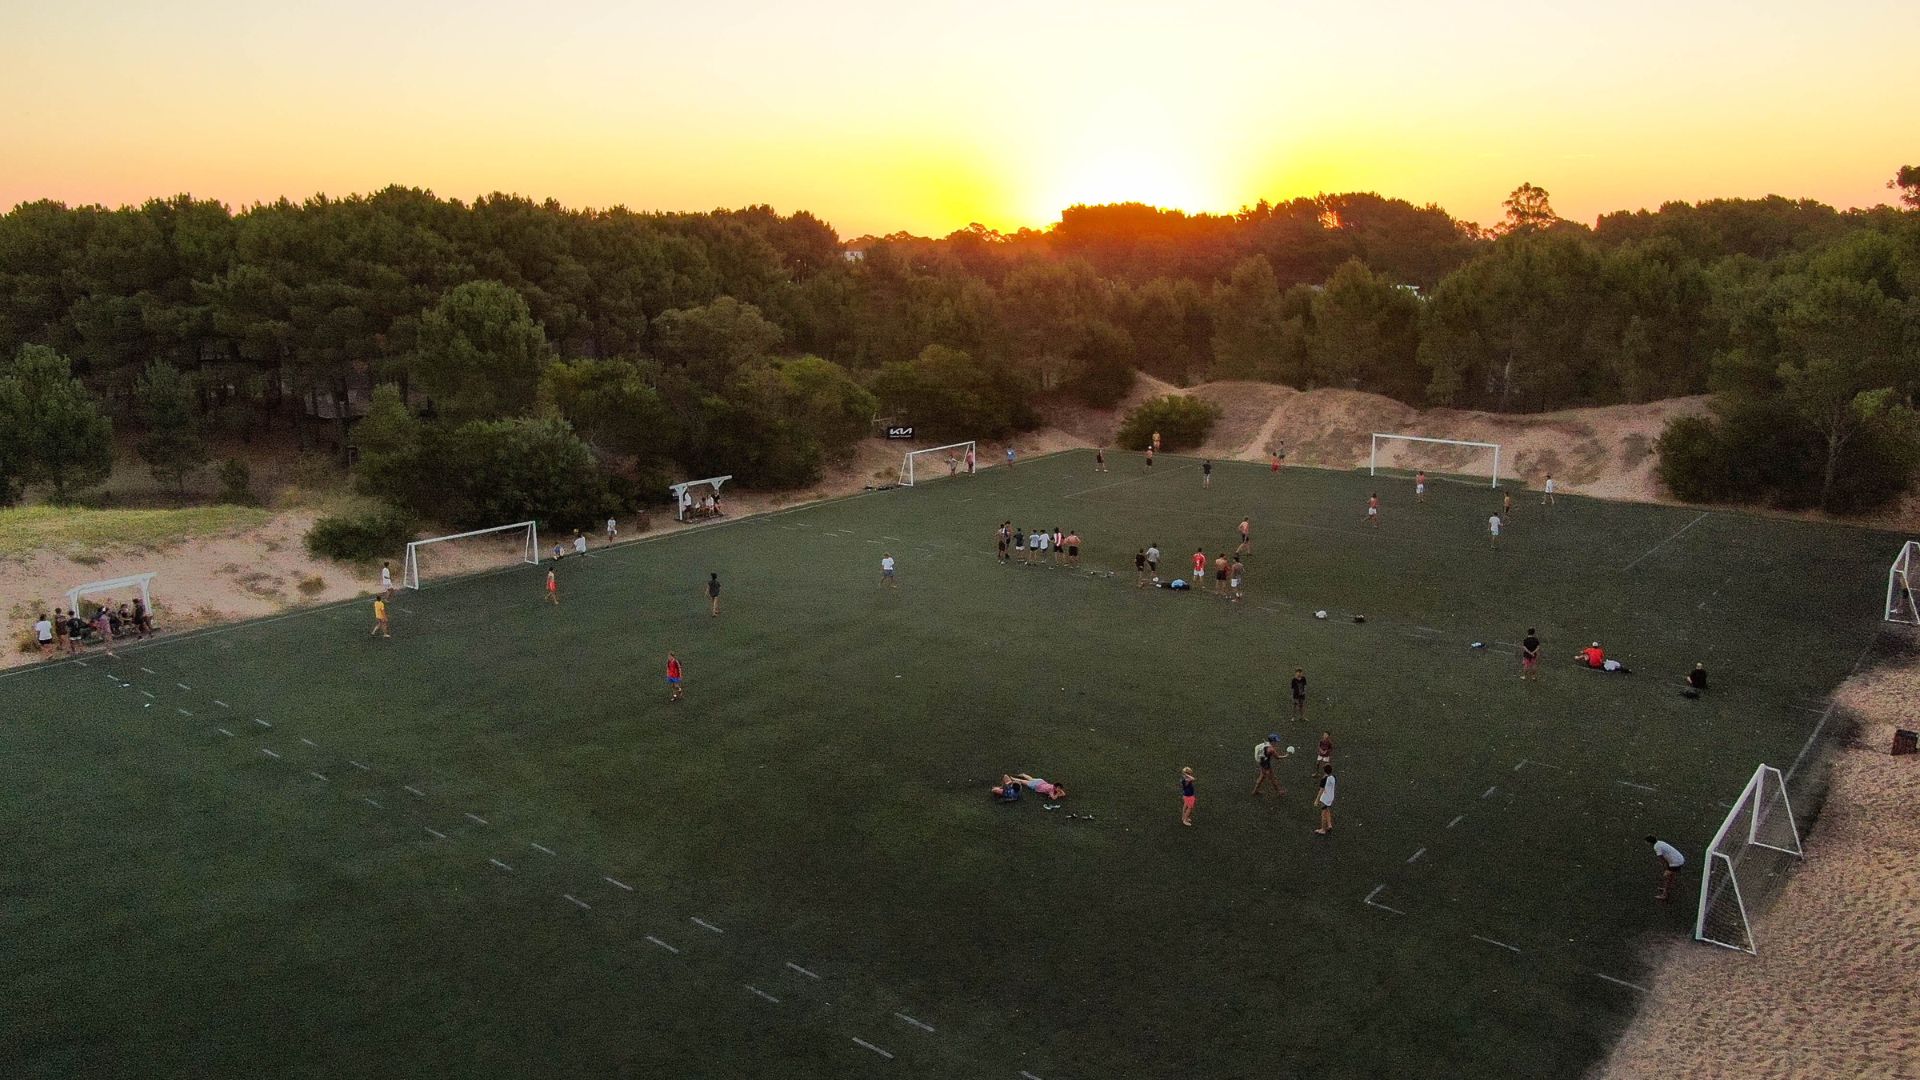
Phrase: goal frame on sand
pixel 1373 453
pixel 1900 604
pixel 93 588
pixel 1720 867
pixel 906 463
pixel 410 572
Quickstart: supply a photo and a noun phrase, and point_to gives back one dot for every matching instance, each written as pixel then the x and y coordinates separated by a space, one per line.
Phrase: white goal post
pixel 1900 605
pixel 1748 848
pixel 961 458
pixel 411 575
pixel 1373 454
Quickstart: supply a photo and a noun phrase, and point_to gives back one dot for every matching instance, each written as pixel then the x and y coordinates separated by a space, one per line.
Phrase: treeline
pixel 635 345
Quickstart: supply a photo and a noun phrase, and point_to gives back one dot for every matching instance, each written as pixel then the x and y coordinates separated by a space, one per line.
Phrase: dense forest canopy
pixel 756 343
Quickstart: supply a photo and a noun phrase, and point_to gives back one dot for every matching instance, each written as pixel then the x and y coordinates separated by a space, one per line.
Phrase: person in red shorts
pixel 1186 795
pixel 673 675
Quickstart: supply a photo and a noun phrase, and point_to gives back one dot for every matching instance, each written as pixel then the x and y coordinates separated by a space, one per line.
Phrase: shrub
pixel 312 585
pixel 356 537
pixel 1693 462
pixel 236 483
pixel 1182 422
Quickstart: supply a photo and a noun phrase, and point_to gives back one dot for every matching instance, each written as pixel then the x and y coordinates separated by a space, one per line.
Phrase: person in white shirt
pixel 1670 863
pixel 386 580
pixel 886 571
pixel 1493 528
pixel 1041 540
pixel 1548 497
pixel 579 542
pixel 1324 800
pixel 43 632
pixel 613 530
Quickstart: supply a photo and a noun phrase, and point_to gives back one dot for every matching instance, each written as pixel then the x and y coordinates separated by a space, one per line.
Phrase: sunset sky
pixel 884 116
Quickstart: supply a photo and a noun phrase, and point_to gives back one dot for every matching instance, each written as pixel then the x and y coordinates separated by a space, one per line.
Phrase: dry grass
pixel 84 536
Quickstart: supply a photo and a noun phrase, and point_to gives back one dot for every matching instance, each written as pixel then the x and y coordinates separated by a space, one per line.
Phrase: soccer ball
pixel 1319 614
pixel 1289 749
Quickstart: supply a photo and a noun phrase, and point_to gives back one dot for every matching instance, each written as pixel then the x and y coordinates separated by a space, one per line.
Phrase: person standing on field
pixel 1140 568
pixel 1236 576
pixel 1493 529
pixel 673 676
pixel 1199 566
pixel 43 633
pixel 1265 753
pixel 1530 655
pixel 1009 457
pixel 1373 509
pixel 1149 459
pixel 386 580
pixel 1100 460
pixel 1186 795
pixel 713 593
pixel 59 631
pixel 1670 863
pixel 1324 800
pixel 1002 538
pixel 1547 498
pixel 1153 560
pixel 553 589
pixel 886 571
pixel 1420 486
pixel 380 618
pixel 1206 473
pixel 1156 442
pixel 1246 537
pixel 1299 688
pixel 579 542
pixel 1073 547
pixel 613 531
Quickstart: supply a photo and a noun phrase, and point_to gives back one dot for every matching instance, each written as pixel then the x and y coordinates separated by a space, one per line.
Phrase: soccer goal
pixel 1754 848
pixel 1469 457
pixel 518 542
pixel 1900 605
pixel 949 460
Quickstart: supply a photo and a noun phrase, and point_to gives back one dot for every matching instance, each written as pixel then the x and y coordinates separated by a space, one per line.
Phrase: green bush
pixel 362 536
pixel 1693 461
pixel 236 483
pixel 1183 422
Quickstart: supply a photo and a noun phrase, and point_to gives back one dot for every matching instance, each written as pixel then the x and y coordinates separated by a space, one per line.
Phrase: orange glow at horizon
pixel 879 118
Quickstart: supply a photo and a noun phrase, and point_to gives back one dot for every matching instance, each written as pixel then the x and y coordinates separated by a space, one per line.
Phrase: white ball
pixel 1319 614
pixel 1289 749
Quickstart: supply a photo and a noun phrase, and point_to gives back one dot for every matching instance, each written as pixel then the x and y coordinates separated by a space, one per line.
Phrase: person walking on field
pixel 1324 800
pixel 613 531
pixel 386 580
pixel 1547 498
pixel 1373 509
pixel 1670 863
pixel 1009 457
pixel 553 589
pixel 1100 460
pixel 673 676
pixel 1246 537
pixel 1149 458
pixel 1265 753
pixel 886 571
pixel 1186 795
pixel 713 593
pixel 1420 485
pixel 1493 529
pixel 380 618
pixel 1506 504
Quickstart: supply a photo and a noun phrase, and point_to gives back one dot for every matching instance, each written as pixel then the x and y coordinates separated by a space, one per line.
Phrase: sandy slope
pixel 1835 989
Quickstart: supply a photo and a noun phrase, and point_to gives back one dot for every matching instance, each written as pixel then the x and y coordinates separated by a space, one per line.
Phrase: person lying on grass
pixel 1038 786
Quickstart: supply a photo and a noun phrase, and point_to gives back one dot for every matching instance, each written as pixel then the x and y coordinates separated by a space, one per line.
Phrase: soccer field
pixel 490 846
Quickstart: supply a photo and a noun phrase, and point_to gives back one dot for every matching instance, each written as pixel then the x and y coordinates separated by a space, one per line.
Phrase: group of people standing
pixel 1038 545
pixel 65 631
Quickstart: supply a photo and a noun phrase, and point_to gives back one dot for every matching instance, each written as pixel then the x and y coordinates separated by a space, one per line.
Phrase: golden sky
pixel 924 117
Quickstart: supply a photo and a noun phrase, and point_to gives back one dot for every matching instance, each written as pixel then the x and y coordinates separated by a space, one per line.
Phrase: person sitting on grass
pixel 1696 681
pixel 1039 787
pixel 1595 657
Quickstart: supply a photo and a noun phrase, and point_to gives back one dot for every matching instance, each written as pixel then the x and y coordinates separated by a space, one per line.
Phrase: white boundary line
pixel 705 925
pixel 875 1049
pixel 1664 543
pixel 1831 705
pixel 1416 855
pixel 663 945
pixel 802 970
pixel 1490 941
pixel 581 904
pixel 928 1028
pixel 1457 820
pixel 1622 982
pixel 617 884
pixel 762 994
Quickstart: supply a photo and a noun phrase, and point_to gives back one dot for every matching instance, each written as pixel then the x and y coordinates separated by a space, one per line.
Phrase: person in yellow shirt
pixel 380 617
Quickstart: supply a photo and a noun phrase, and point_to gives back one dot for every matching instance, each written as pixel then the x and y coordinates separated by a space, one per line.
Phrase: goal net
pixel 1900 605
pixel 954 459
pixel 1408 454
pixel 479 549
pixel 1755 847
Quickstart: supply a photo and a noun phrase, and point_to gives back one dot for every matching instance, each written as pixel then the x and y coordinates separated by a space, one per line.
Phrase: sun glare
pixel 1123 174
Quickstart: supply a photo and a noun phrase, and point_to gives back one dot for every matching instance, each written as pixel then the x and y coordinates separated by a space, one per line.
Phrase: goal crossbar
pixel 410 575
pixel 144 582
pixel 966 465
pixel 1900 604
pixel 1373 452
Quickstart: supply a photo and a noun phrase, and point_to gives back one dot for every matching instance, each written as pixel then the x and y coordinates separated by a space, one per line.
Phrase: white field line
pixel 874 1048
pixel 1631 784
pixel 705 925
pixel 261 722
pixel 315 775
pixel 501 865
pixel 617 884
pixel 1490 941
pixel 359 766
pixel 150 695
pixel 802 970
pixel 1487 794
pixel 416 791
pixel 270 753
pixel 149 671
pixel 476 817
pixel 662 944
pixel 581 904
pixel 928 1028
pixel 222 704
pixel 1416 855
pixel 1371 902
pixel 375 804
pixel 1815 733
pixel 182 712
pixel 1665 542
pixel 762 994
pixel 224 731
pixel 437 834
pixel 543 847
pixel 311 743
pixel 1457 820
pixel 1621 982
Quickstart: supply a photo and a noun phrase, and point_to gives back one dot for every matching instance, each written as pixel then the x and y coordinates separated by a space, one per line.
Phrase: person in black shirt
pixel 1299 687
pixel 713 593
pixel 1140 567
pixel 1696 681
pixel 1530 655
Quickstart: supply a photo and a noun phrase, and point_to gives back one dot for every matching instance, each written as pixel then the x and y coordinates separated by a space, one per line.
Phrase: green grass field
pixel 801 854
